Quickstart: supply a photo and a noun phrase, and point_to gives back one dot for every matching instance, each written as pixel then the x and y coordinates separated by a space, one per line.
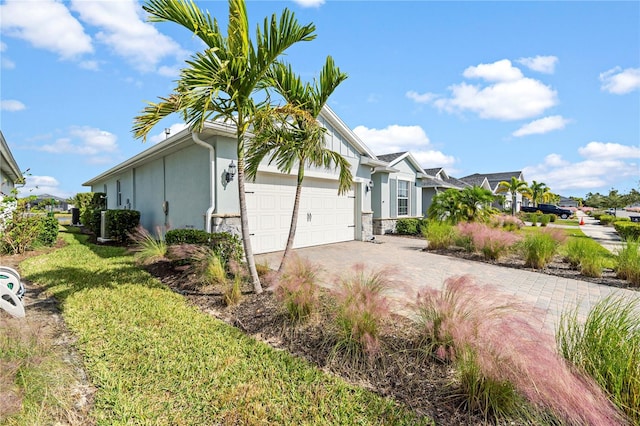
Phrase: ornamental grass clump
pixel 607 346
pixel 148 248
pixel 505 362
pixel 628 267
pixel 296 288
pixel 538 248
pixel 491 242
pixel 508 222
pixel 361 309
pixel 439 234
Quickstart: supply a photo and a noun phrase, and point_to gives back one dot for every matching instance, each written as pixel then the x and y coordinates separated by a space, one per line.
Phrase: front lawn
pixel 156 360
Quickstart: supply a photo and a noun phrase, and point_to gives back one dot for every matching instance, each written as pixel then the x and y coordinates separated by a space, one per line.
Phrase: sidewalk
pixel 605 235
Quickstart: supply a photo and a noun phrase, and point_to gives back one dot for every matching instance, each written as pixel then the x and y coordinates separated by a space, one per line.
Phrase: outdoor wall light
pixel 230 173
pixel 368 186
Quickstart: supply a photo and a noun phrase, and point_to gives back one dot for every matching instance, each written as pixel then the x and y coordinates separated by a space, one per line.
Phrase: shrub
pixel 545 219
pixel 628 265
pixel 48 230
pixel 90 206
pixel 408 226
pixel 120 223
pixel 361 309
pixel 491 242
pixel 148 248
pixel 497 344
pixel 187 236
pixel 606 219
pixel 538 248
pixel 296 288
pixel 607 347
pixel 439 235
pixel 20 234
pixel 628 230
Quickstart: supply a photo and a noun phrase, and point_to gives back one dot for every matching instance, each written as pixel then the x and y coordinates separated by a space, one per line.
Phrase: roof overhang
pixel 8 164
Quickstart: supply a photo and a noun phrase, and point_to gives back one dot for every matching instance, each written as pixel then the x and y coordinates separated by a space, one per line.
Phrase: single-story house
pixel 10 175
pixel 187 181
pixel 568 202
pixel 396 191
pixel 493 182
pixel 50 203
pixel 436 181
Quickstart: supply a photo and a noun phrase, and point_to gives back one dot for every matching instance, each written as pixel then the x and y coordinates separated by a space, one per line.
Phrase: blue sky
pixel 549 88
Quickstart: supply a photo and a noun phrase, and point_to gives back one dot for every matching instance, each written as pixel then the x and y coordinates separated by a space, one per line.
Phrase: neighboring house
pixel 10 175
pixel 187 181
pixel 567 202
pixel 396 191
pixel 436 181
pixel 491 181
pixel 44 201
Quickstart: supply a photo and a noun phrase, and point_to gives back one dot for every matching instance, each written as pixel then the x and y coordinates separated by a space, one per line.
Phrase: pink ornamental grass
pixel 510 344
pixel 491 242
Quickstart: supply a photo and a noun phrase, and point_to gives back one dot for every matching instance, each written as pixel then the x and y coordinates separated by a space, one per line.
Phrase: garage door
pixel 324 216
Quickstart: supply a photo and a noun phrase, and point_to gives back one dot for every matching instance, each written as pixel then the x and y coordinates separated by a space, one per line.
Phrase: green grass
pixel 157 360
pixel 607 347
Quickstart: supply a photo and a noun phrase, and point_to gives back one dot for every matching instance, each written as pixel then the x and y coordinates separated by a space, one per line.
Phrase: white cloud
pixel 604 165
pixel 11 105
pixel 509 100
pixel 46 24
pixel 83 140
pixel 37 185
pixel 620 82
pixel 124 30
pixel 421 98
pixel 506 94
pixel 497 71
pixel 609 151
pixel 397 138
pixel 173 129
pixel 309 3
pixel 543 64
pixel 543 125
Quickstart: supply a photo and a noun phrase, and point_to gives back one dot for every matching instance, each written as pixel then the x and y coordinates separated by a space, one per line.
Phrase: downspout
pixel 212 172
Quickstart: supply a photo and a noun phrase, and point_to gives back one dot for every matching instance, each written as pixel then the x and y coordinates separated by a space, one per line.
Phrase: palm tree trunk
pixel 294 221
pixel 244 222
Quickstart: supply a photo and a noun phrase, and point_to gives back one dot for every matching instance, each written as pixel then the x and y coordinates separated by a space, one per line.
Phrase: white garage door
pixel 324 216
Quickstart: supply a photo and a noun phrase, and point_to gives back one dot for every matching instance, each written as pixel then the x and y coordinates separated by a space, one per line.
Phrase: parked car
pixel 611 212
pixel 548 209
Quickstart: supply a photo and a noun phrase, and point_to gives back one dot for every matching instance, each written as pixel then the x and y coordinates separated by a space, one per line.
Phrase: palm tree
pixel 475 203
pixel 220 81
pixel 515 186
pixel 291 135
pixel 538 192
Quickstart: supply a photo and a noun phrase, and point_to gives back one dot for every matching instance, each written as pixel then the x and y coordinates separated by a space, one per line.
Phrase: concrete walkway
pixel 414 269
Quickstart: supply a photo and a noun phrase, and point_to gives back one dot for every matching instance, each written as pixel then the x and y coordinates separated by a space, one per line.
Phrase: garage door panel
pixel 324 217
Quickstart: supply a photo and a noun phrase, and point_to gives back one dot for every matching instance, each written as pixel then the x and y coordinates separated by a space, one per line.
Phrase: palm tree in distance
pixel 538 192
pixel 291 136
pixel 514 187
pixel 220 82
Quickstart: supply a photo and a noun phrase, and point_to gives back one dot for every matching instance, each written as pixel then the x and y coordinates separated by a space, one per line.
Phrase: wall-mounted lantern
pixel 230 173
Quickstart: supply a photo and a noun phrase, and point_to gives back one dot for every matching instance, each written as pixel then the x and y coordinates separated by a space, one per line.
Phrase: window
pixel 403 198
pixel 119 192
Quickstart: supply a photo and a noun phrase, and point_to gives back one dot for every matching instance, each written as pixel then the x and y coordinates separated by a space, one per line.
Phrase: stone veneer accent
pixel 227 223
pixel 384 226
pixel 367 226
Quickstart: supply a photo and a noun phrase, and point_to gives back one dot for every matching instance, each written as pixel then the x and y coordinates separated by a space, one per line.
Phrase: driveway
pixel 414 269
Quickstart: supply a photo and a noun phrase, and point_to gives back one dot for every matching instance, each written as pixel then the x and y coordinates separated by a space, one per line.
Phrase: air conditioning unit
pixel 104 230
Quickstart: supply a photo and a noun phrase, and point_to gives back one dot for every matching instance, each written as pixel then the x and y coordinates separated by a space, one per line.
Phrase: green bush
pixel 539 248
pixel 225 245
pixel 20 234
pixel 628 267
pixel 628 230
pixel 408 226
pixel 91 202
pixel 48 231
pixel 121 223
pixel 606 219
pixel 187 236
pixel 545 219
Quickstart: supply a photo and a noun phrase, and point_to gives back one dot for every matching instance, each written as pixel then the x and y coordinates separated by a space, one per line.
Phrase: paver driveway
pixel 414 269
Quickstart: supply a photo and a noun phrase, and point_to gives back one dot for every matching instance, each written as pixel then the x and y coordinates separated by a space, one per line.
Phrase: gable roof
pixel 493 179
pixel 397 157
pixel 390 157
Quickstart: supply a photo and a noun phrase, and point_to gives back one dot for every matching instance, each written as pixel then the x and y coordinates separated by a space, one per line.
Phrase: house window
pixel 403 198
pixel 119 192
